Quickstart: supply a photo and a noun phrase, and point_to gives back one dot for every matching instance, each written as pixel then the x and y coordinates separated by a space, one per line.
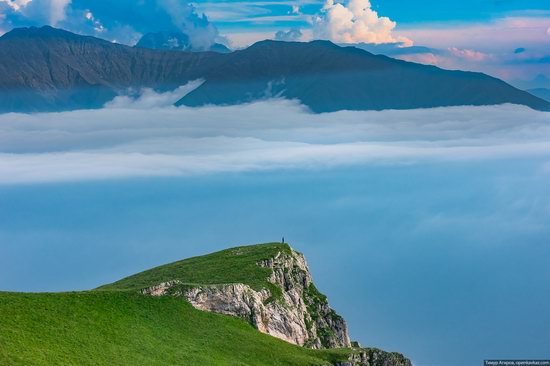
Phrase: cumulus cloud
pixel 355 22
pixel 145 138
pixel 123 21
pixel 293 34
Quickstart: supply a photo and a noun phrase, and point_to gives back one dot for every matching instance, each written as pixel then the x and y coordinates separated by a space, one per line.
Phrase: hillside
pixel 178 314
pixel 119 328
pixel 328 78
pixel 542 93
pixel 234 265
pixel 268 285
pixel 48 69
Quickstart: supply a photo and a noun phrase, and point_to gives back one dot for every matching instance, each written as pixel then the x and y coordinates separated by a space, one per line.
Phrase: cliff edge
pixel 268 285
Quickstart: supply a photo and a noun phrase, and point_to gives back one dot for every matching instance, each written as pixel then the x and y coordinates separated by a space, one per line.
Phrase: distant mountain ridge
pixel 48 69
pixel 176 41
pixel 542 93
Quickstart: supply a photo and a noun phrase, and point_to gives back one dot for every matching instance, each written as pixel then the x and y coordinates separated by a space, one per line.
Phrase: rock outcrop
pixel 375 357
pixel 291 309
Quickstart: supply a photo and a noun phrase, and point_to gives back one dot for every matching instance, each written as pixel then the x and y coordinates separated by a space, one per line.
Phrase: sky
pixel 427 229
pixel 509 39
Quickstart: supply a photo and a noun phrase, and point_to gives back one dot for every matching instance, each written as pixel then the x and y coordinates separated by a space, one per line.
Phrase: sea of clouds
pixel 147 136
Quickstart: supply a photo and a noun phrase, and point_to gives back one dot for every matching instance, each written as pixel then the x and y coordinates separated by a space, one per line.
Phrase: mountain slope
pixel 541 93
pixel 128 323
pixel 328 78
pixel 47 69
pixel 44 69
pixel 120 328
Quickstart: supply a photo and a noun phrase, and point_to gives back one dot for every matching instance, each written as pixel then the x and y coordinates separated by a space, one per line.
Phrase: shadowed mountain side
pixel 328 78
pixel 47 69
pixel 541 93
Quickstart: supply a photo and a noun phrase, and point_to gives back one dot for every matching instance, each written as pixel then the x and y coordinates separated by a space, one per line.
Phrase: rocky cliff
pixel 290 308
pixel 375 357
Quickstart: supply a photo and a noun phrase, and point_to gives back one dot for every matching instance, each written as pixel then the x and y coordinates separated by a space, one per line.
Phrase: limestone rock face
pixel 293 310
pixel 375 357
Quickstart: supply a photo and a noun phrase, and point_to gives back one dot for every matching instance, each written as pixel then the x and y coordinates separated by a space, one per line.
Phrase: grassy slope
pixel 118 326
pixel 126 328
pixel 235 265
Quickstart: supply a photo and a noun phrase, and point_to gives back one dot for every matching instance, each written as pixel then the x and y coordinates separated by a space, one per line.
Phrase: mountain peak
pixel 271 43
pixel 44 31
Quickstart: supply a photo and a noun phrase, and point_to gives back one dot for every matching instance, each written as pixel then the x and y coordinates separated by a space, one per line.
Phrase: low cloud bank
pixel 144 137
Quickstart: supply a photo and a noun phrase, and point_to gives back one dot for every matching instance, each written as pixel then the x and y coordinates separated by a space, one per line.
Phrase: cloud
pixel 293 34
pixel 143 137
pixel 355 23
pixel 28 11
pixel 15 4
pixel 514 46
pixel 123 21
pixel 147 98
pixel 469 54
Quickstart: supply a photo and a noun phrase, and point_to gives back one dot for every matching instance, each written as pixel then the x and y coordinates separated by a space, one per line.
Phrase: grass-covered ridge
pixel 127 328
pixel 234 265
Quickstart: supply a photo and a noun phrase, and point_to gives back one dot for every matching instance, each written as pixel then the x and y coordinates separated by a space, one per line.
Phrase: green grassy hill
pixel 117 325
pixel 234 265
pixel 126 328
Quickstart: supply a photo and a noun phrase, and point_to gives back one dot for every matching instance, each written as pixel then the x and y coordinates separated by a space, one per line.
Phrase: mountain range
pixel 49 69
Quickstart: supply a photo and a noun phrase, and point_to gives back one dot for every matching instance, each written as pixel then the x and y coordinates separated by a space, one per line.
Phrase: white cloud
pixel 57 10
pixel 15 4
pixel 355 23
pixel 50 11
pixel 126 140
pixel 469 54
pixel 123 21
pixel 147 98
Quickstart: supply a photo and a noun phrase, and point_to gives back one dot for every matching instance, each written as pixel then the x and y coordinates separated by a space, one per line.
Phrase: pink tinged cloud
pixel 471 55
pixel 355 23
pixel 492 37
